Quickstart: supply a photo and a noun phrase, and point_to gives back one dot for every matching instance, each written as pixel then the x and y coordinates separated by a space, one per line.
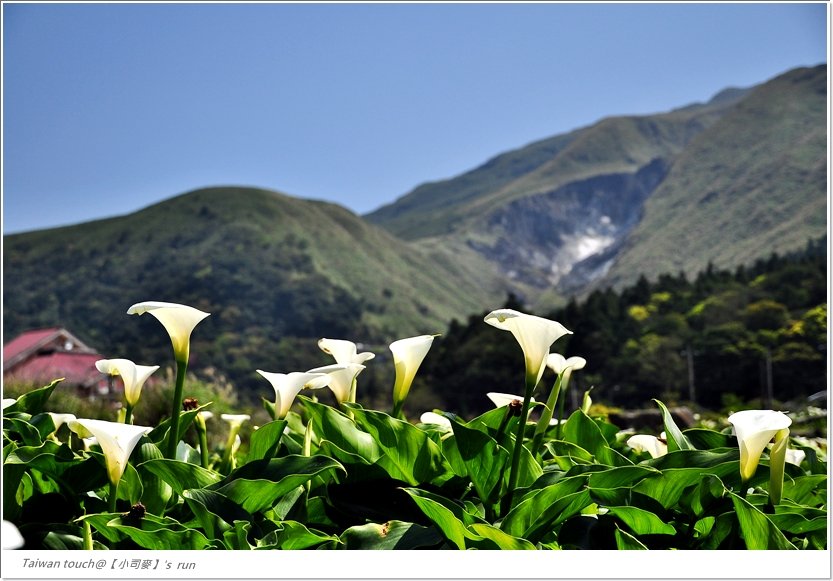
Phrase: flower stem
pixel 199 423
pixel 128 413
pixel 397 409
pixel 88 536
pixel 114 489
pixel 516 453
pixel 173 433
pixel 564 390
pixel 546 416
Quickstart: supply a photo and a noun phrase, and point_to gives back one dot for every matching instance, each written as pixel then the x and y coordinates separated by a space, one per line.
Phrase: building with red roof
pixel 43 355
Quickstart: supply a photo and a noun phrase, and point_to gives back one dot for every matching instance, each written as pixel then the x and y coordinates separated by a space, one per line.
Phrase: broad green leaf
pixel 29 434
pixel 673 435
pixel 641 522
pixel 758 531
pixel 668 486
pixel 500 538
pixel 583 431
pixel 620 476
pixel 236 537
pixel 393 534
pixel 265 441
pixel 181 476
pixel 130 485
pixel 99 523
pixel 32 402
pixel 542 506
pixel 156 492
pixel 797 524
pixel 215 511
pixel 12 480
pixel 627 542
pixel 160 533
pixel 808 490
pixel 703 439
pixel 482 457
pixel 719 531
pixel 693 459
pixel 332 425
pixel 257 485
pixel 63 541
pixel 292 535
pixel 408 454
pixel 443 517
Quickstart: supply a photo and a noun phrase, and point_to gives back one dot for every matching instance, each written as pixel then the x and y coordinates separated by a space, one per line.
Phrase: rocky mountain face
pixel 577 211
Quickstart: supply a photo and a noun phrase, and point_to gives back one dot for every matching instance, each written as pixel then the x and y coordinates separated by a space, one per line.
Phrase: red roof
pixel 76 368
pixel 28 340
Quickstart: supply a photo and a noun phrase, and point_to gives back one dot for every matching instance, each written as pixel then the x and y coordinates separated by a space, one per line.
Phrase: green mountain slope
pixel 728 181
pixel 752 184
pixel 267 266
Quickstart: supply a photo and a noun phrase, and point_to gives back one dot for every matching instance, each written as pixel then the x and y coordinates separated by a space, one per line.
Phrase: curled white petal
pixel 647 443
pixel 341 378
pixel 289 385
pixel 502 399
pixel 408 355
pixel 12 539
pixel 435 419
pixel 344 352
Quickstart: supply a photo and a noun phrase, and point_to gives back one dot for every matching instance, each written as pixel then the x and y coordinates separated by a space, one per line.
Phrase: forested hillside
pixel 678 339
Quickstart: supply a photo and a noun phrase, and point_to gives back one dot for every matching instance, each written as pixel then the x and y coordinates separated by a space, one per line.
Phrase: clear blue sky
pixel 109 108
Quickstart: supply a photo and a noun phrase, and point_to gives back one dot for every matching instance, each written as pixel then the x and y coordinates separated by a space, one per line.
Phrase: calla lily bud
pixel 289 385
pixel 344 352
pixel 133 376
pixel 408 355
pixel 116 440
pixel 341 378
pixel 178 320
pixel 647 443
pixel 534 334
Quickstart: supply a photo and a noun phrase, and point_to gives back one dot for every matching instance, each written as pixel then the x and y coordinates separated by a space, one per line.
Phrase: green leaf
pixel 627 542
pixel 32 402
pixel 215 512
pixel 100 522
pixel 29 434
pixel 160 533
pixel 236 537
pixel 675 438
pixel 408 453
pixel 620 476
pixel 181 476
pixel 291 535
pixel 545 507
pixel 668 486
pixel 758 531
pixel 583 431
pixel 265 441
pixel 393 534
pixel 798 524
pixel 130 485
pixel 500 538
pixel 156 492
pixel 332 425
pixel 484 460
pixel 703 439
pixel 641 522
pixel 808 490
pixel 257 485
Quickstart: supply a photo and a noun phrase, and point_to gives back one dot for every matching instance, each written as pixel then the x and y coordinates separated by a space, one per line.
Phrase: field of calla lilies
pixel 347 477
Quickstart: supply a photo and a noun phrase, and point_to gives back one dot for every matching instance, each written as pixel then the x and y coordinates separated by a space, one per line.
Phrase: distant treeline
pixel 758 332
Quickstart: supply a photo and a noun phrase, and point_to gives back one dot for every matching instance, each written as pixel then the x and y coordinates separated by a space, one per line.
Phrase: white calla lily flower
pixel 116 440
pixel 559 364
pixel 289 385
pixel 133 376
pixel 178 320
pixel 408 355
pixel 436 419
pixel 235 421
pixel 534 334
pixel 12 539
pixel 341 378
pixel 205 415
pixel 754 430
pixel 647 443
pixel 504 399
pixel 344 352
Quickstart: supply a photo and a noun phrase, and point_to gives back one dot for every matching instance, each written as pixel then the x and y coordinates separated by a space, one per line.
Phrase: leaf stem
pixel 516 453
